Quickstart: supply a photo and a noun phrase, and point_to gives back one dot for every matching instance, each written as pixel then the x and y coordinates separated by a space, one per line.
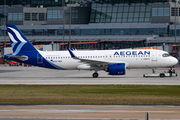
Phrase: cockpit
pixel 166 55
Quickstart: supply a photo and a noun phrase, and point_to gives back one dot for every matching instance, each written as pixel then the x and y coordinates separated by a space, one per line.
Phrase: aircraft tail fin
pixel 19 42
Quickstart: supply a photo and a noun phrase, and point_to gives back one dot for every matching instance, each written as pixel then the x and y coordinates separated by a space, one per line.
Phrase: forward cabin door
pixel 154 56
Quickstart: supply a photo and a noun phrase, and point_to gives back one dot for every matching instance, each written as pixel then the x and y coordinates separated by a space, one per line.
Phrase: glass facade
pixel 15 16
pixel 105 11
pixel 173 11
pixel 172 32
pixel 119 12
pixel 42 17
pixel 160 12
pixel 54 14
pixel 34 16
pixel 55 3
pixel 27 16
pixel 129 31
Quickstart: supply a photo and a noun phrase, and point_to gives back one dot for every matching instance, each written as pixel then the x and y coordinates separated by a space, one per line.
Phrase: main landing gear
pixel 95 75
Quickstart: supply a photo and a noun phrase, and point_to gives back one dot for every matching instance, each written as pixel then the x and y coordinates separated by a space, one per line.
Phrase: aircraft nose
pixel 174 61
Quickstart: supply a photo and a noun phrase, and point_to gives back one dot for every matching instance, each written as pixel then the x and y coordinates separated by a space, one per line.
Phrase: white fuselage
pixel 133 58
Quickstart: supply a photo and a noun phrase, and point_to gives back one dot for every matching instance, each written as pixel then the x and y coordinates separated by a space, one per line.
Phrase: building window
pixel 148 14
pixel 54 13
pixel 137 8
pixel 60 13
pixel 34 17
pixel 147 19
pixel 154 11
pixel 92 20
pixel 160 11
pixel 10 16
pixel 173 11
pixel 49 14
pixel 166 11
pixel 15 17
pixel 143 8
pixel 27 16
pixel 142 14
pixel 67 13
pixel 74 13
pixel 41 16
pixel 136 14
pixel 141 19
pixel 20 16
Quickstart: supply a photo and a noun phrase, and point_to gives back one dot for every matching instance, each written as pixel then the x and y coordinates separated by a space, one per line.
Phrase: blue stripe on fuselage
pixel 32 60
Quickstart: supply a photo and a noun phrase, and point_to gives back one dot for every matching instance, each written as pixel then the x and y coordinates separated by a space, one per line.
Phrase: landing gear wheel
pixel 162 75
pixel 95 75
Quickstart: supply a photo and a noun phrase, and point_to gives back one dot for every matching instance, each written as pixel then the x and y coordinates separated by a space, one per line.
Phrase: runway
pixel 37 75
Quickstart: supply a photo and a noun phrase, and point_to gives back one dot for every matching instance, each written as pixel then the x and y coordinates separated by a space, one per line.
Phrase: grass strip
pixel 90 94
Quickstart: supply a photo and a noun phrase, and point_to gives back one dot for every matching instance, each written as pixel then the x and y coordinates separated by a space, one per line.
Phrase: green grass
pixel 89 94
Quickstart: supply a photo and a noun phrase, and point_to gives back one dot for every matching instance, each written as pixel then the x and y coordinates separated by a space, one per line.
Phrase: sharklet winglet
pixel 72 54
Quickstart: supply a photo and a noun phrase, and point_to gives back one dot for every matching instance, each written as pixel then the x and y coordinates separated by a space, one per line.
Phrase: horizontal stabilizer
pixel 23 58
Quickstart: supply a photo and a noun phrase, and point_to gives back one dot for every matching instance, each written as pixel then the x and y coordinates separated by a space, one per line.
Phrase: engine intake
pixel 117 69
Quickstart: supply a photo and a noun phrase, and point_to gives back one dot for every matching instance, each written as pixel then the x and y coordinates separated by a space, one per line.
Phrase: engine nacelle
pixel 117 69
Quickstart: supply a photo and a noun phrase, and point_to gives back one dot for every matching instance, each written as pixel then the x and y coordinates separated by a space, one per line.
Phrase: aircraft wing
pixel 92 62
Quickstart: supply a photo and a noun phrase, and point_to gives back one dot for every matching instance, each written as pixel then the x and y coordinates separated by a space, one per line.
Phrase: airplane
pixel 115 62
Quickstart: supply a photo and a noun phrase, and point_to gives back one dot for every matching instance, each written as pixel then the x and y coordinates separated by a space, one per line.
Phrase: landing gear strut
pixel 95 75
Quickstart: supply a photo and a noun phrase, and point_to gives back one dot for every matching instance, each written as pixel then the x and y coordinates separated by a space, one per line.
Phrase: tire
pixel 145 76
pixel 95 75
pixel 162 75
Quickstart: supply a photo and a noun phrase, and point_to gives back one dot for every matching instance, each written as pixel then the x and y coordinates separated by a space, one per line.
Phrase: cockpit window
pixel 166 55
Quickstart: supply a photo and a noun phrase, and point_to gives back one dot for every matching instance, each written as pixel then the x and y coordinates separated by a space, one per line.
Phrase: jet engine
pixel 117 69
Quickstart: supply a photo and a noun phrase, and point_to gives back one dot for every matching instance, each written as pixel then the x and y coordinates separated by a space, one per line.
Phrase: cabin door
pixel 39 59
pixel 154 56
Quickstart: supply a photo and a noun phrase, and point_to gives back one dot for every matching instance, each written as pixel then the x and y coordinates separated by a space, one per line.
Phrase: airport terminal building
pixel 93 24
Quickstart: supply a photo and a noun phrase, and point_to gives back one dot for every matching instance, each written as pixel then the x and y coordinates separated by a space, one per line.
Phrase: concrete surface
pixel 37 75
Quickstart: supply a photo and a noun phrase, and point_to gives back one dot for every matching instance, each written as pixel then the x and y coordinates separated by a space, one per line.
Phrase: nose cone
pixel 174 61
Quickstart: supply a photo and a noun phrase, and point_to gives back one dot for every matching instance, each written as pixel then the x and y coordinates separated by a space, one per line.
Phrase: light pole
pixel 4 23
pixel 176 1
pixel 70 26
pixel 63 23
pixel 175 22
